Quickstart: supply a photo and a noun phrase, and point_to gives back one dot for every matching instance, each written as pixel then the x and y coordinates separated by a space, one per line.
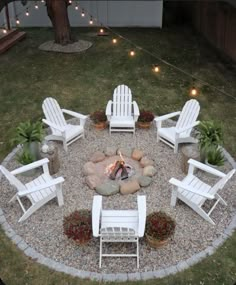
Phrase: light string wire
pixel 159 58
pixel 82 9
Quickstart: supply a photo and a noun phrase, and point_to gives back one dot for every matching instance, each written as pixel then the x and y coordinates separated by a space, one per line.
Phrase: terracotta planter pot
pixel 154 242
pixel 100 125
pixel 144 125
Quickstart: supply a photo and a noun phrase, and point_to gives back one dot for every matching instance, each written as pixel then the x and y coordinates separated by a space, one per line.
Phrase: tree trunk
pixel 57 12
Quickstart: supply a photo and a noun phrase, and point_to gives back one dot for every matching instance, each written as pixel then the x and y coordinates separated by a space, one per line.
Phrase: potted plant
pixel 29 135
pixel 24 158
pixel 210 139
pixel 145 118
pixel 159 228
pixel 99 119
pixel 78 226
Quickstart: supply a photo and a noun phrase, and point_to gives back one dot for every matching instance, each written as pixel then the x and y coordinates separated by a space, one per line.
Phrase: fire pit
pixel 119 169
pixel 110 173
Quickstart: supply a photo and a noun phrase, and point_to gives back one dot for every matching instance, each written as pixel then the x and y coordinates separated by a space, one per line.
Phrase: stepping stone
pixel 129 187
pixel 93 181
pixel 144 181
pixel 97 156
pixel 146 161
pixel 149 171
pixel 89 168
pixel 137 154
pixel 108 188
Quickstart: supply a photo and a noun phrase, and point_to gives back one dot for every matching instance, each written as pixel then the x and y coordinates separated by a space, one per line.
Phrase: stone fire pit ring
pixel 97 179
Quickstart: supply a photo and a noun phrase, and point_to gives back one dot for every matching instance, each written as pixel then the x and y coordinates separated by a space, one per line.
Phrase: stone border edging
pixel 121 277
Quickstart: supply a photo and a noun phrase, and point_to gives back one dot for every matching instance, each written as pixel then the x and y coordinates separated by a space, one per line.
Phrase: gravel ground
pixel 44 232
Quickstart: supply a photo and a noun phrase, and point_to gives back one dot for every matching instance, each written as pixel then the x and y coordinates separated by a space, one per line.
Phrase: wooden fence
pixel 216 20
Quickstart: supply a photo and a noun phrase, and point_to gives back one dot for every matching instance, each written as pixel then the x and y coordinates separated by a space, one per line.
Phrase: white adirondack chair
pixel 122 112
pixel 181 133
pixel 61 130
pixel 39 191
pixel 118 226
pixel 194 192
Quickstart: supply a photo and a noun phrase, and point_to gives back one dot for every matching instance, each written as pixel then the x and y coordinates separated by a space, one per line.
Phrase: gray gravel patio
pixel 44 231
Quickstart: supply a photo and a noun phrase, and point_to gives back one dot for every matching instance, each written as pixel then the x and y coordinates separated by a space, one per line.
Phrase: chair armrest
pixel 109 110
pixel 180 184
pixel 141 215
pixel 136 111
pixel 54 126
pixel 205 168
pixel 30 166
pixel 178 131
pixel 96 213
pixel 167 116
pixel 74 114
pixel 51 183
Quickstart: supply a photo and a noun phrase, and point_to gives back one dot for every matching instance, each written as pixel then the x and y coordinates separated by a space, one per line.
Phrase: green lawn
pixel 85 82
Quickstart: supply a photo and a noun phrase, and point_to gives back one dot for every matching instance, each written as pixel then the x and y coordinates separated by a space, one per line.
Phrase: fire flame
pixel 111 166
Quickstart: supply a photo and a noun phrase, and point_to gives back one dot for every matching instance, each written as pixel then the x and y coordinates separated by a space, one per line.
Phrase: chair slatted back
pixel 188 115
pixel 12 179
pixel 221 183
pixel 122 101
pixel 53 112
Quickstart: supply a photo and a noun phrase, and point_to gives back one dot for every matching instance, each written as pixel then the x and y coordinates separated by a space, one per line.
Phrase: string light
pixel 132 53
pixel 91 21
pixel 27 12
pixel 76 7
pixel 42 1
pixel 36 5
pixel 114 41
pixel 70 1
pixel 193 91
pixel 17 21
pixel 101 31
pixel 4 31
pixel 82 13
pixel 156 68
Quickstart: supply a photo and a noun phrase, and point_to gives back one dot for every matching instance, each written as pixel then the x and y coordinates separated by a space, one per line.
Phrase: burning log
pixel 119 165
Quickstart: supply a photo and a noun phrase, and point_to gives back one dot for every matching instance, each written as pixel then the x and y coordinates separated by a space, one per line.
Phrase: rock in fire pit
pixel 123 172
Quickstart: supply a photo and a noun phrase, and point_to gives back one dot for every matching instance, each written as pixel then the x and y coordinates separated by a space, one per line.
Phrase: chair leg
pixel 203 214
pixel 60 199
pixel 174 197
pixel 176 148
pixel 137 253
pixel 158 138
pixel 65 145
pixel 100 255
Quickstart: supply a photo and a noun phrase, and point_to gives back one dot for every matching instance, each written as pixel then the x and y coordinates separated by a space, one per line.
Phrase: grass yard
pixel 85 82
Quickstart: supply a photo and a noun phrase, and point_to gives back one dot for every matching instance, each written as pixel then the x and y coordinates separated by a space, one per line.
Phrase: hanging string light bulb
pixel 70 1
pixel 132 53
pixel 42 1
pixel 101 31
pixel 27 12
pixel 156 68
pixel 76 7
pixel 114 41
pixel 17 21
pixel 193 91
pixel 36 5
pixel 4 31
pixel 82 13
pixel 91 20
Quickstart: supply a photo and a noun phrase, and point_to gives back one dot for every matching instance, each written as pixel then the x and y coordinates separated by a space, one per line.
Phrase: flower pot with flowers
pixel 145 119
pixel 159 228
pixel 99 119
pixel 78 226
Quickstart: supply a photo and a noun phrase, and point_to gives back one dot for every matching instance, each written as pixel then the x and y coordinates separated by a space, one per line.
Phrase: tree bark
pixel 58 14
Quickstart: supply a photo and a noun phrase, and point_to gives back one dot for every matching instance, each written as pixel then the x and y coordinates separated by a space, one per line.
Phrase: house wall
pixel 217 22
pixel 111 13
